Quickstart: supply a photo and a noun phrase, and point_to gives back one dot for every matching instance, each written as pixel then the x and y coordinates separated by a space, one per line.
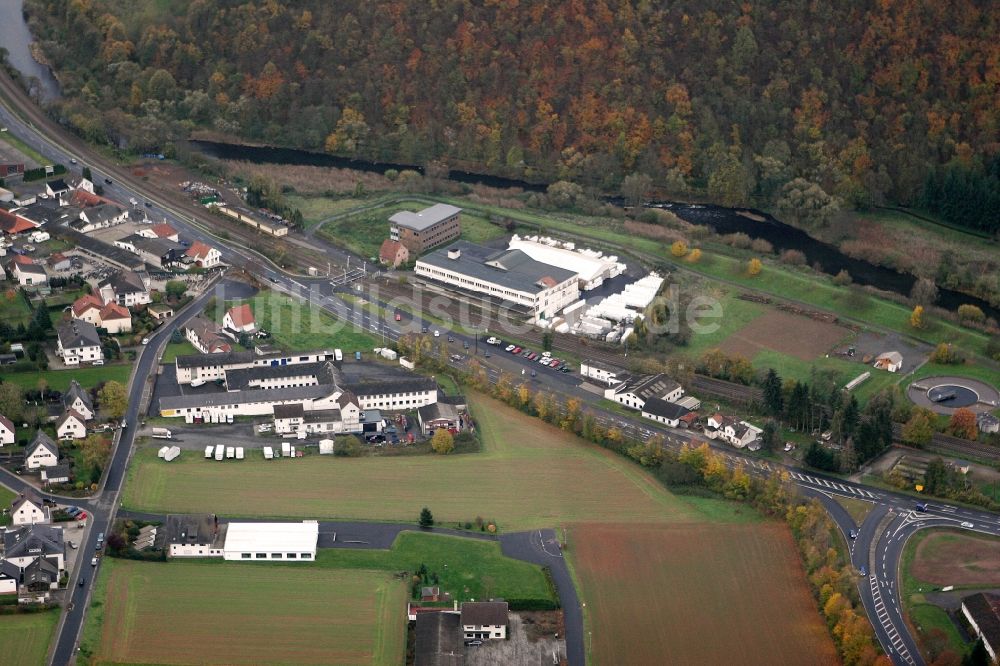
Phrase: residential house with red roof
pixel 204 256
pixel 393 253
pixel 239 319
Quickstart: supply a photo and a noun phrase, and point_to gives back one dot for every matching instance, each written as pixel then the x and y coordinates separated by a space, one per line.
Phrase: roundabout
pixel 945 394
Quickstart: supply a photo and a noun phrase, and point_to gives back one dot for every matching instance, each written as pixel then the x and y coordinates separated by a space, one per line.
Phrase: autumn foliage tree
pixel 963 424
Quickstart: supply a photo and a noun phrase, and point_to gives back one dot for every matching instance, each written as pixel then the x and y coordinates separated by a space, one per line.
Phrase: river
pixel 722 220
pixel 16 38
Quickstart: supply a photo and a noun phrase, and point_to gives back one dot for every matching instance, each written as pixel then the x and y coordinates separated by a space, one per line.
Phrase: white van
pixel 195 383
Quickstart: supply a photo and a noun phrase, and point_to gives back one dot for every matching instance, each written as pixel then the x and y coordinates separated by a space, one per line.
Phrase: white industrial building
pixel 255 542
pixel 541 289
pixel 634 391
pixel 630 303
pixel 252 389
pixel 592 268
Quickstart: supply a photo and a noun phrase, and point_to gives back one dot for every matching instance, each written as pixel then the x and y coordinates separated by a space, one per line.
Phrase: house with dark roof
pixel 439 415
pixel 54 188
pixel 56 474
pixel 983 613
pixel 127 288
pixel 71 425
pixel 7 431
pixel 78 342
pixel 484 620
pixel 539 290
pixel 193 535
pixel 635 391
pixel 239 319
pixel 77 400
pixel 393 253
pixel 24 547
pixel 101 216
pixel 28 509
pixel 662 411
pixel 206 336
pixel 159 252
pixel 438 639
pixel 27 272
pixel 41 452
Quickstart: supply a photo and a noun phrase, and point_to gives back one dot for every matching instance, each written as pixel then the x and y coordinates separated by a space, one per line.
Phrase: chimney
pixel 454 253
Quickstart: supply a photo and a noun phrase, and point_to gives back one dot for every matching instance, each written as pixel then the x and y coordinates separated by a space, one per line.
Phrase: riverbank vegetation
pixel 796 105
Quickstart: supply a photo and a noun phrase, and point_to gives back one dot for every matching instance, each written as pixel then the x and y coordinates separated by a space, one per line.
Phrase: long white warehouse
pixel 254 542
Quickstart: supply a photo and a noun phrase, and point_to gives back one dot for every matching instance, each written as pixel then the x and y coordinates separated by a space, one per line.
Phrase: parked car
pixel 399 317
pixel 437 334
pixel 554 365
pixel 72 544
pixel 83 581
pixel 546 353
pixel 93 561
pixel 82 515
pixel 517 350
pixel 510 348
pixel 145 341
pixel 526 353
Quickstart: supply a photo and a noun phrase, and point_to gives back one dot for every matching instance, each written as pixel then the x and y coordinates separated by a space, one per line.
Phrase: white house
pixel 293 418
pixel 116 319
pixel 128 288
pixel 78 342
pixel 484 620
pixel 539 290
pixel 891 361
pixel 661 411
pixel 239 319
pixel 194 535
pixel 603 373
pixel 728 429
pixel 101 216
pixel 634 391
pixel 88 308
pixel 27 510
pixel 39 554
pixel 257 542
pixel 8 578
pixel 27 272
pixel 77 400
pixel 42 452
pixel 71 425
pixel 203 256
pixel 206 336
pixel 7 431
pixel 162 230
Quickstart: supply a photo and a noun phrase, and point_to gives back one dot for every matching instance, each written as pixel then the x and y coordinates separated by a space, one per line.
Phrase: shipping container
pixel 209 450
pixel 220 452
pixel 162 433
pixel 230 452
pixel 239 453
pixel 268 453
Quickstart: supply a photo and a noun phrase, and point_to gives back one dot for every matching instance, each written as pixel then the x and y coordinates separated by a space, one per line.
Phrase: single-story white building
pixel 255 542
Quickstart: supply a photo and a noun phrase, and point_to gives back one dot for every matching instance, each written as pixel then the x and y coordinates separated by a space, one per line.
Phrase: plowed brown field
pixel 799 337
pixel 697 594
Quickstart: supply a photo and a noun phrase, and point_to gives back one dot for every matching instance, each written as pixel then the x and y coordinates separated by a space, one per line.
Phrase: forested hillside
pixel 784 101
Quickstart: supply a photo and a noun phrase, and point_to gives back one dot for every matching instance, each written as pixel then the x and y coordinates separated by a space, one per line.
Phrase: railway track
pixel 177 200
pixel 953 446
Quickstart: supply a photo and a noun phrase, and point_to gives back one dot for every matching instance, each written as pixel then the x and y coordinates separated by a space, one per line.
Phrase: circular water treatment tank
pixel 952 395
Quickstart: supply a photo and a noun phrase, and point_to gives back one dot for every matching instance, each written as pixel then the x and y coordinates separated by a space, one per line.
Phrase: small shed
pixel 325 446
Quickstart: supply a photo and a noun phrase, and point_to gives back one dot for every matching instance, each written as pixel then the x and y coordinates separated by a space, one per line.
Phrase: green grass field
pixel 364 232
pixel 175 349
pixel 13 308
pixel 25 638
pixel 217 612
pixel 58 380
pixel 295 326
pixel 979 372
pixel 316 209
pixel 467 568
pixel 528 475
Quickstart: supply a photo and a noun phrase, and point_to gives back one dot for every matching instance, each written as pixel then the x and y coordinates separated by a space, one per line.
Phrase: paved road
pixel 102 508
